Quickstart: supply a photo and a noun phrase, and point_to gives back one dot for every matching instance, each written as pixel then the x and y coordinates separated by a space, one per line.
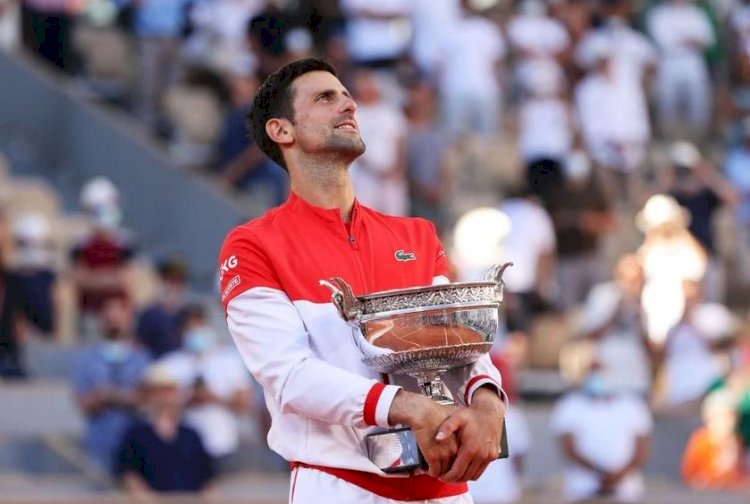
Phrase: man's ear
pixel 279 131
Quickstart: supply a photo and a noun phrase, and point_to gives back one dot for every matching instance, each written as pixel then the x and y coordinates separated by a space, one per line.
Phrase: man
pixel 604 437
pixel 700 189
pixel 105 381
pixel 322 399
pixel 582 217
pixel 162 455
pixel 215 383
pixel 103 258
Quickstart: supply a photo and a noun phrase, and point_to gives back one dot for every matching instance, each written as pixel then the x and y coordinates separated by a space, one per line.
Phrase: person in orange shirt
pixel 713 456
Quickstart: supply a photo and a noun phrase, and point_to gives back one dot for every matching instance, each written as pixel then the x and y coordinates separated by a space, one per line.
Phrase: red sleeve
pixel 243 264
pixel 441 261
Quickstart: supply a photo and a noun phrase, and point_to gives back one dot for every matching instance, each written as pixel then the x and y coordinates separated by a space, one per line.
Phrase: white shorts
pixel 310 486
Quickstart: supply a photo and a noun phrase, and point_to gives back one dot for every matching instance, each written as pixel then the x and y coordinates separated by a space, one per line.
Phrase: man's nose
pixel 348 104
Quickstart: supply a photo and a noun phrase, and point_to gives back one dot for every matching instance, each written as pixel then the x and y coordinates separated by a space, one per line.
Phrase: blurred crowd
pixel 603 146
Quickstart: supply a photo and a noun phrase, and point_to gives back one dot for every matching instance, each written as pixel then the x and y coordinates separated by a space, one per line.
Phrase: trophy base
pixel 396 450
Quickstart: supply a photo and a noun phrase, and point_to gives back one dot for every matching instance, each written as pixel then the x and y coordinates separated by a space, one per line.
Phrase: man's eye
pixel 323 97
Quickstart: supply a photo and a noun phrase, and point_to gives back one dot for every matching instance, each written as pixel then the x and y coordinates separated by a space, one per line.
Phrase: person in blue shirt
pixel 105 381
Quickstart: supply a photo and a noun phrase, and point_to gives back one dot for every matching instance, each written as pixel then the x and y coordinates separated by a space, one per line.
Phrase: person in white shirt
pixel 216 384
pixel 379 175
pixel 689 364
pixel 430 20
pixel 545 118
pixel 614 122
pixel 530 245
pixel 636 57
pixel 377 33
pixel 534 35
pixel 682 31
pixel 605 440
pixel 468 74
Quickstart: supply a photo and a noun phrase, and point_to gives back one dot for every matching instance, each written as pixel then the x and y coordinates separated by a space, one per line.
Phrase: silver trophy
pixel 422 332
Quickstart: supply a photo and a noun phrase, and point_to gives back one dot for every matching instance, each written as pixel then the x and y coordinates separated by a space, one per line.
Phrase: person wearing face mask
pixel 215 383
pixel 102 258
pixel 604 437
pixel 105 381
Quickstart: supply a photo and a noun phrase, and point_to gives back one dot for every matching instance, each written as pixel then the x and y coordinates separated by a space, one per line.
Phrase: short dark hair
pixel 274 100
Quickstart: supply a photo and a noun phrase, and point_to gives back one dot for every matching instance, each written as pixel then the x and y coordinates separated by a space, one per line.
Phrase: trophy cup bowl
pixel 422 332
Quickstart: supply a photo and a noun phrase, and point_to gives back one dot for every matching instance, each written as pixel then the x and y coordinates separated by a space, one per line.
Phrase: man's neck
pixel 325 184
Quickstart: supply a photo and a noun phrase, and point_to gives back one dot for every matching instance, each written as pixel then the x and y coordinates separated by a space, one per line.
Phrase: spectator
pixel 105 381
pixel 265 34
pixel 158 27
pixel 699 189
pixel 216 384
pixel 735 169
pixel 546 122
pixel 582 216
pixel 474 47
pixel 636 57
pixel 536 36
pixel 158 325
pixel 604 437
pixel 29 291
pixel 614 319
pixel 377 32
pixel 682 31
pixel 379 175
pixel 47 29
pixel 239 160
pixel 426 150
pixel 429 21
pixel 737 383
pixel 161 454
pixel 713 456
pixel 670 255
pixel 614 123
pixel 530 245
pixel 217 34
pixel 102 259
pixel 689 364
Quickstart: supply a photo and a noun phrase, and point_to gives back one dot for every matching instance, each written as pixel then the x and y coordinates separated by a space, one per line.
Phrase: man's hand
pixel 424 416
pixel 479 429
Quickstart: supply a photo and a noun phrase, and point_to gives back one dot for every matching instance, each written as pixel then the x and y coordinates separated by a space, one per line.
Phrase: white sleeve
pixel 274 345
pixel 703 30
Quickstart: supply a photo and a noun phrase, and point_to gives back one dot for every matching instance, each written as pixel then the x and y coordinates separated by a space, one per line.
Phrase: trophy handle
pixel 495 273
pixel 347 304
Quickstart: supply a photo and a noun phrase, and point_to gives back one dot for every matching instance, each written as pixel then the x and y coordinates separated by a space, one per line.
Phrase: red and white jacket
pixel 322 399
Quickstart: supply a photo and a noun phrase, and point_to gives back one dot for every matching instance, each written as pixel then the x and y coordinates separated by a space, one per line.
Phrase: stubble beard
pixel 345 147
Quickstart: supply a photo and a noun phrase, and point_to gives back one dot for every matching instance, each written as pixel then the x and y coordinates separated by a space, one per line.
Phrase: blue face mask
pixel 199 340
pixel 115 352
pixel 595 386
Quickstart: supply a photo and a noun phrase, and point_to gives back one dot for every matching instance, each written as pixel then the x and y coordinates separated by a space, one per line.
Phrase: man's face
pixel 324 120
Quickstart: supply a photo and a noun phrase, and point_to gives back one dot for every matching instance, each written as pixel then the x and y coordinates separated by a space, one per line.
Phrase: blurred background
pixel 601 145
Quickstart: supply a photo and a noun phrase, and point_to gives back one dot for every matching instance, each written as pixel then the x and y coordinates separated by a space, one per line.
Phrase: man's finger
pixel 476 469
pixel 458 468
pixel 450 426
